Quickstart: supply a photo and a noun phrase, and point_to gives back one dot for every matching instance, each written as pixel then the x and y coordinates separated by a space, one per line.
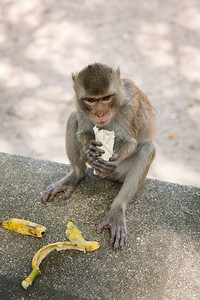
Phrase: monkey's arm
pixel 76 157
pixel 132 171
pixel 85 139
pixel 126 149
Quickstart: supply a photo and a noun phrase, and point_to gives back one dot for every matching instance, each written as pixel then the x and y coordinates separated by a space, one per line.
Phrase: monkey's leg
pixel 132 172
pixel 76 157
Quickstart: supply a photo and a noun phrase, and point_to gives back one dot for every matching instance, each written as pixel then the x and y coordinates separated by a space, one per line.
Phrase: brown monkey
pixel 115 104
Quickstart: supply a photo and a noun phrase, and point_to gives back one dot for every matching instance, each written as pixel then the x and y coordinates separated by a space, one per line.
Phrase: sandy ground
pixel 156 43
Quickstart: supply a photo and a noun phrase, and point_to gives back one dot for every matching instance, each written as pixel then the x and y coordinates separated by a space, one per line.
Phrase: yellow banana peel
pixel 24 227
pixel 75 237
pixel 41 254
pixel 77 242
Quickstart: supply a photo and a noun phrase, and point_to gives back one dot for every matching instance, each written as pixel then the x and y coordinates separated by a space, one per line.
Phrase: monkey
pixel 106 100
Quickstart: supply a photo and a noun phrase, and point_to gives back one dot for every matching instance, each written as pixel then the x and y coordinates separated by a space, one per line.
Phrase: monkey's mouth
pixel 102 121
pixel 101 124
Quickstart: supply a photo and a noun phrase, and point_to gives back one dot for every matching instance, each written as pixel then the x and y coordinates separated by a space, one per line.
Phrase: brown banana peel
pixel 24 227
pixel 41 254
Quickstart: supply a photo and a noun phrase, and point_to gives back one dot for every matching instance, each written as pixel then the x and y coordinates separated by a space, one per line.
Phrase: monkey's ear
pixel 73 76
pixel 118 71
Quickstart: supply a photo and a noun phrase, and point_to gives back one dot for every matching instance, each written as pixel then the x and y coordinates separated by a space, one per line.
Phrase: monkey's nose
pixel 100 115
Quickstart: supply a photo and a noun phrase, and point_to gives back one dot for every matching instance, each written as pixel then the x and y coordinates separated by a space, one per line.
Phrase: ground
pixel 155 43
pixel 160 260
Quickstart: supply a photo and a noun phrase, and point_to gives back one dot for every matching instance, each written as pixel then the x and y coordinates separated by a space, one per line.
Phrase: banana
pixel 107 138
pixel 24 227
pixel 41 254
pixel 75 237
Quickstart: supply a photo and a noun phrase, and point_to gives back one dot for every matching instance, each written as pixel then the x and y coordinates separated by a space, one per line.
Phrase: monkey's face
pixel 98 90
pixel 100 109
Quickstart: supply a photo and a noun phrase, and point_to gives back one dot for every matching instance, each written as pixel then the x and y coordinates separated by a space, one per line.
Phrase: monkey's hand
pixel 102 167
pixel 115 220
pixel 93 151
pixel 105 168
pixel 67 185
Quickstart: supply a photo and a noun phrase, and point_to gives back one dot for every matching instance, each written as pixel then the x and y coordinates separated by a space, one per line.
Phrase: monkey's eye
pixel 106 98
pixel 90 100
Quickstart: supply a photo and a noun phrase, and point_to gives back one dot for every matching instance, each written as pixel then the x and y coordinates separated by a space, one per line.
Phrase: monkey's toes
pixel 47 197
pixel 102 224
pixel 44 198
pixel 51 192
pixel 68 192
pixel 118 238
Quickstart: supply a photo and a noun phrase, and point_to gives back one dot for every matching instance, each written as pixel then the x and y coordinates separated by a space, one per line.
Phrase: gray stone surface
pixel 160 260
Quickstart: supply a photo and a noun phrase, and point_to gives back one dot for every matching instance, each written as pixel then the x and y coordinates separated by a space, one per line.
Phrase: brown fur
pixel 95 79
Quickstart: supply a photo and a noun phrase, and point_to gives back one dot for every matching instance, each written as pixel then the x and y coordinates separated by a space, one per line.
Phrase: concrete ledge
pixel 160 260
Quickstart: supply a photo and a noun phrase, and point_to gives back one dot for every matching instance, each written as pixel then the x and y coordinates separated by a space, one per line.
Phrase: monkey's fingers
pixel 100 172
pixel 118 233
pixel 68 192
pixel 46 196
pixel 95 143
pixel 102 224
pixel 51 193
pixel 95 150
pixel 118 237
pixel 93 155
pixel 104 170
pixel 105 166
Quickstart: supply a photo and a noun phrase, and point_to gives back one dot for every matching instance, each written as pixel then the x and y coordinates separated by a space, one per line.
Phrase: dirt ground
pixel 156 43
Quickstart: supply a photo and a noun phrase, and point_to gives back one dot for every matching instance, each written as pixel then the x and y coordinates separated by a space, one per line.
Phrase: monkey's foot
pixel 52 190
pixel 115 221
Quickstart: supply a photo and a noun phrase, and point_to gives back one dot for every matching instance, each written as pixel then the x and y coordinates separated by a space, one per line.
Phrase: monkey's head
pixel 98 90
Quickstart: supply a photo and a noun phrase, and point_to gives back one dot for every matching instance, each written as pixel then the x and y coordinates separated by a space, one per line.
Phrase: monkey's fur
pixel 115 104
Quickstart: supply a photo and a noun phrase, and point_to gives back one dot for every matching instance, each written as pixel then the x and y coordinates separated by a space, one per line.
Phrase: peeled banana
pixel 75 237
pixel 24 227
pixel 41 254
pixel 107 139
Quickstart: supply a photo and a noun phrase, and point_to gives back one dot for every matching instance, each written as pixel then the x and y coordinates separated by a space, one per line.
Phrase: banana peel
pixel 41 254
pixel 75 237
pixel 24 227
pixel 76 243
